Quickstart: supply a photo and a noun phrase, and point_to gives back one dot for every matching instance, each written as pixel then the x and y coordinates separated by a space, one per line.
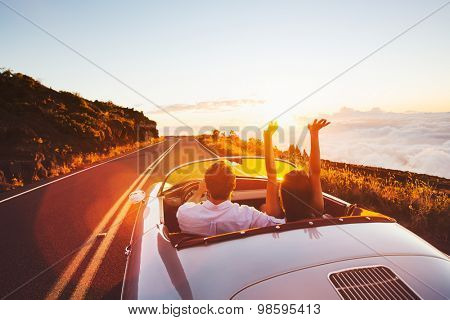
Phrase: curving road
pixel 65 238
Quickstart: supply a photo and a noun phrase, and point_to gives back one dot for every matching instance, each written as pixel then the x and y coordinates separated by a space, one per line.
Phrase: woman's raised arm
pixel 314 164
pixel 273 207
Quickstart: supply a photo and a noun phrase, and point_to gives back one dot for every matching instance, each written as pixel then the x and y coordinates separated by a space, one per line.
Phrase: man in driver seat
pixel 218 214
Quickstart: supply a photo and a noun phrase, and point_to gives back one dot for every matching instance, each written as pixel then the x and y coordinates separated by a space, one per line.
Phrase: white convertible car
pixel 357 254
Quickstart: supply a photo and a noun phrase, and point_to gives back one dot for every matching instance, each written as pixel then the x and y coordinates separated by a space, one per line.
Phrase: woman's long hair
pixel 295 194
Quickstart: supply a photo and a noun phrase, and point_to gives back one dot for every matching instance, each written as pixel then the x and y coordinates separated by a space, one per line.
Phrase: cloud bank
pixel 417 142
pixel 217 105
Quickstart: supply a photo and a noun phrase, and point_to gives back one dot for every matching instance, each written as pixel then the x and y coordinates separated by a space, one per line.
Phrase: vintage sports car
pixel 356 254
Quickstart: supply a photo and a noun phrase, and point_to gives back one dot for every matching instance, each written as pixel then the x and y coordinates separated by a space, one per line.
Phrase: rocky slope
pixel 42 130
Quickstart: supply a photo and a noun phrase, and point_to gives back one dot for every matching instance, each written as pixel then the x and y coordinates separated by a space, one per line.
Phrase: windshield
pixel 248 167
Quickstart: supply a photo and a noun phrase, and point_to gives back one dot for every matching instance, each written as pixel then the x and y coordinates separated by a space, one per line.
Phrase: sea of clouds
pixel 417 142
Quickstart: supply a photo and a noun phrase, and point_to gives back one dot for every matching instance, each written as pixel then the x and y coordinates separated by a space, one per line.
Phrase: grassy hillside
pixel 419 202
pixel 45 133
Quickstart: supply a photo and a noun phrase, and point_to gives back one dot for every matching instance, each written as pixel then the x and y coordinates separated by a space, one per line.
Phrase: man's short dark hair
pixel 220 180
pixel 296 194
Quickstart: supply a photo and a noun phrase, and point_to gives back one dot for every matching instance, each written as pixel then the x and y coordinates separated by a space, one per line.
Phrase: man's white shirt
pixel 208 219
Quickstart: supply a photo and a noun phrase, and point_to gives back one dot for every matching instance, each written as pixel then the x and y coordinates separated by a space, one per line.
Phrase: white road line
pixel 207 149
pixel 77 172
pixel 89 274
pixel 70 270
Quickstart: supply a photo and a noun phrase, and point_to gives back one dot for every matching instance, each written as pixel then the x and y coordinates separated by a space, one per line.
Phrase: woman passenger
pixel 299 194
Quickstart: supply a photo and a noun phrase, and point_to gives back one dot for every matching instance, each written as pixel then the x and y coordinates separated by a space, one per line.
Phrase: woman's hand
pixel 316 125
pixel 271 128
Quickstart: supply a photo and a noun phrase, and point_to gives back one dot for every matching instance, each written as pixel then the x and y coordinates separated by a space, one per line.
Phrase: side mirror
pixel 136 196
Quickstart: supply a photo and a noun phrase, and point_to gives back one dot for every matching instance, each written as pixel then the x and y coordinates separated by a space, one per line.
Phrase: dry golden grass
pixel 79 161
pixel 413 202
pixel 16 182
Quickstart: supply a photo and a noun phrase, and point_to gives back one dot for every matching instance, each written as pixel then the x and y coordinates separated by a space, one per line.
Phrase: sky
pixel 238 64
pixel 235 62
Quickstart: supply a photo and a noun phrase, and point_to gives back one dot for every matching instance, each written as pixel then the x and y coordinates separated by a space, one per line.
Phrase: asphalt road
pixel 66 239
